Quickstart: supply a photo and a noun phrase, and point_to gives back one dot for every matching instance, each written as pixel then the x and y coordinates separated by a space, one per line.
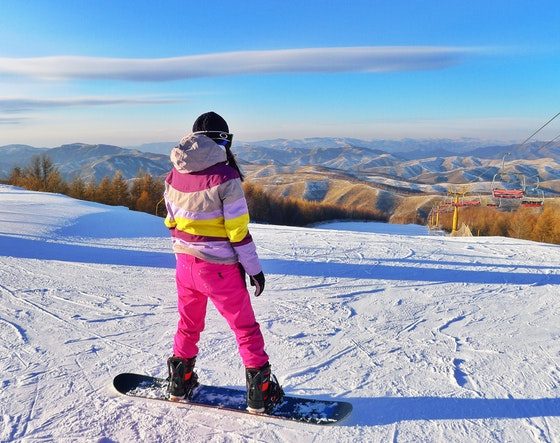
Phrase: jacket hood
pixel 197 152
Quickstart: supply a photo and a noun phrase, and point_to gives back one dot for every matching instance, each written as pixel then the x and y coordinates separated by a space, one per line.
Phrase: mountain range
pixel 333 170
pixel 87 161
pixel 409 148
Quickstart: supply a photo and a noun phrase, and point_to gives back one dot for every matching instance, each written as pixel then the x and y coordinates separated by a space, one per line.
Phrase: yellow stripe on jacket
pixel 235 229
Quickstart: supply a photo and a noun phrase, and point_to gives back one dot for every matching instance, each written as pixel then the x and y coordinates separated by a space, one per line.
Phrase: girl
pixel 208 219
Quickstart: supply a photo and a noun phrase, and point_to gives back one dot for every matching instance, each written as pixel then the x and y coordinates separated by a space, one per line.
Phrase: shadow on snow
pixel 388 410
pixel 403 272
pixel 44 250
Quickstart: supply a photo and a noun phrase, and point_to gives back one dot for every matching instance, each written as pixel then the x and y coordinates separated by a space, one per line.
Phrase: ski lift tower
pixel 457 195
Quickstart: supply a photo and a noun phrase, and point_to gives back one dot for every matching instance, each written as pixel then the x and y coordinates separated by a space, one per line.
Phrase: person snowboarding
pixel 208 218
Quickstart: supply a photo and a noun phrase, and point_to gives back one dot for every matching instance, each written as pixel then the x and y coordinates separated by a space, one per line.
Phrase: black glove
pixel 258 282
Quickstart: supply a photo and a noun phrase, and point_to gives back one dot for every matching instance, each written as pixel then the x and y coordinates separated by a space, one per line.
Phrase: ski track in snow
pixel 430 338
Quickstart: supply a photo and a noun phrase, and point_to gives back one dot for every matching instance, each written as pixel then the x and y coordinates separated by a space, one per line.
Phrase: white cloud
pixel 17 104
pixel 329 60
pixel 11 120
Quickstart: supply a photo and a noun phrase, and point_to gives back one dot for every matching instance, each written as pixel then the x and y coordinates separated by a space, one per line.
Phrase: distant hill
pixel 88 161
pixel 163 148
pixel 16 155
pixel 529 151
pixel 410 148
pixel 344 157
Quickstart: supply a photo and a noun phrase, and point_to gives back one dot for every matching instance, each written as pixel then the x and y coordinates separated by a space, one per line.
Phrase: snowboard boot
pixel 182 378
pixel 263 390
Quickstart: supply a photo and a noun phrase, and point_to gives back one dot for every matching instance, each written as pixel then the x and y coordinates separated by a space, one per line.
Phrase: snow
pixel 430 338
pixel 377 227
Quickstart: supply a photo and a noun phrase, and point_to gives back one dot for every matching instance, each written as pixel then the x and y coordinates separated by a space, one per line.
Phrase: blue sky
pixel 124 72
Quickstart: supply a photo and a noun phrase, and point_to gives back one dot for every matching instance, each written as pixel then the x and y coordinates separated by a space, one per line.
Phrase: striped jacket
pixel 206 209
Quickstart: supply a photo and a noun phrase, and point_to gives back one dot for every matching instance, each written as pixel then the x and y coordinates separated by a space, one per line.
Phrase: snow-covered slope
pixel 430 338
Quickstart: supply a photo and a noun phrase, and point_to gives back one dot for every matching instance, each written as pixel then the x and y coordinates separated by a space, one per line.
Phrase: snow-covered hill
pixel 430 338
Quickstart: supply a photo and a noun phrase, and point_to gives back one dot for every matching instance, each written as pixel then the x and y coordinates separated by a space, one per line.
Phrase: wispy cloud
pixel 328 60
pixel 12 120
pixel 14 104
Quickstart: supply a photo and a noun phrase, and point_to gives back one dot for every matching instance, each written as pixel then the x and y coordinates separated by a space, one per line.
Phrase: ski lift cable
pixel 479 176
pixel 548 143
pixel 542 147
pixel 521 145
pixel 538 130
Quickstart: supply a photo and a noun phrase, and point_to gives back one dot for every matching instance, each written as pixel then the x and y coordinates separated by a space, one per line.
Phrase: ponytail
pixel 233 163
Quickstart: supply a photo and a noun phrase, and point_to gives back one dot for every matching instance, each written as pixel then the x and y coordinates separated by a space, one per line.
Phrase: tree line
pixel 267 208
pixel 144 193
pixel 523 223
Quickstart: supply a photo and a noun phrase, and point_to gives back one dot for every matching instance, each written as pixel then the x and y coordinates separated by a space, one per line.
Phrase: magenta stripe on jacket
pixel 248 239
pixel 201 180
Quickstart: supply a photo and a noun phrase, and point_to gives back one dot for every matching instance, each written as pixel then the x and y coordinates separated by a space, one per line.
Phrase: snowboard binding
pixel 182 378
pixel 263 390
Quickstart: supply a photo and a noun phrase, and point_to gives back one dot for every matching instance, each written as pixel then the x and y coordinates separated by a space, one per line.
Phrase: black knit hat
pixel 210 121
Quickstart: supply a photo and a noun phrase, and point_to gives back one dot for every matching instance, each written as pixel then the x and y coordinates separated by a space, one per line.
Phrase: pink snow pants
pixel 198 281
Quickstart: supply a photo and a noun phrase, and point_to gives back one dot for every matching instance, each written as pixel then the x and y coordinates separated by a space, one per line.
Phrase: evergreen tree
pixel 77 188
pixel 55 182
pixel 16 177
pixel 90 191
pixel 521 223
pixel 144 203
pixel 545 226
pixel 145 193
pixel 40 175
pixel 120 194
pixel 103 192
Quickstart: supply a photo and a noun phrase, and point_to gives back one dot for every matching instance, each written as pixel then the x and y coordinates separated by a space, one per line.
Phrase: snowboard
pixel 306 410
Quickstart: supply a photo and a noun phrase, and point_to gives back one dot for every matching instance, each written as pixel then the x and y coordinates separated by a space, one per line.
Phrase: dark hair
pixel 232 162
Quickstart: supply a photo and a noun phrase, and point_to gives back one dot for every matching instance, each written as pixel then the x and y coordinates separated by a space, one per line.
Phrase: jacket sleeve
pixel 236 222
pixel 170 217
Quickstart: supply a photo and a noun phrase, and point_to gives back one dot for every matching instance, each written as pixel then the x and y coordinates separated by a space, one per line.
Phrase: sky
pixel 127 73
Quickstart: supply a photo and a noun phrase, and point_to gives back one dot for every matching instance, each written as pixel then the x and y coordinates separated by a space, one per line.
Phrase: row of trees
pixel 144 193
pixel 524 223
pixel 266 208
pixel 141 194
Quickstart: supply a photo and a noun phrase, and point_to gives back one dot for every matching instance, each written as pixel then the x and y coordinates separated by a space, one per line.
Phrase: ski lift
pixel 469 201
pixel 508 188
pixel 534 196
pixel 446 205
pixel 460 196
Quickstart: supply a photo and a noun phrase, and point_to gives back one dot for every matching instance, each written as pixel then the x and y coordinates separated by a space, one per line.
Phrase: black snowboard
pixel 320 412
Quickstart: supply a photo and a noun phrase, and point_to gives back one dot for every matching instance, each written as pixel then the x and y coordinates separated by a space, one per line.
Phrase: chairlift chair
pixel 504 186
pixel 446 205
pixel 534 196
pixel 508 188
pixel 469 201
